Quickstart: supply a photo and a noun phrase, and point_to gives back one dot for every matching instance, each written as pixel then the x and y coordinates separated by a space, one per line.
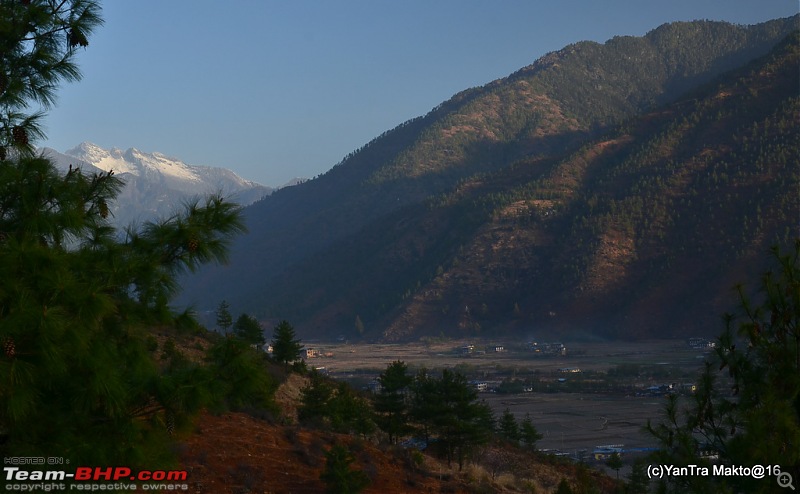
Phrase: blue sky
pixel 275 90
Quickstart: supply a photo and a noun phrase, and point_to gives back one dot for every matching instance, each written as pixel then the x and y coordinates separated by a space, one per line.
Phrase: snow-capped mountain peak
pixel 156 184
pixel 135 162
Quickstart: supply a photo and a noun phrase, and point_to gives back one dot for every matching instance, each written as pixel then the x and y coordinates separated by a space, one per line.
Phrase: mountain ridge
pixel 382 191
pixel 156 185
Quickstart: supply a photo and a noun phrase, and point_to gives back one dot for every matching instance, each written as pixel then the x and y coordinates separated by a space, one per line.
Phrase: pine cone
pixel 193 244
pixel 9 347
pixel 103 207
pixel 20 135
pixel 76 38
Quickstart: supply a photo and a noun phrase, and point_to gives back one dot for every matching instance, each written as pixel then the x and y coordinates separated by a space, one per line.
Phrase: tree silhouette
pixel 224 318
pixel 614 462
pixel 77 297
pixel 638 482
pixel 285 346
pixel 454 414
pixel 390 403
pixel 315 399
pixel 755 418
pixel 508 428
pixel 528 432
pixel 249 330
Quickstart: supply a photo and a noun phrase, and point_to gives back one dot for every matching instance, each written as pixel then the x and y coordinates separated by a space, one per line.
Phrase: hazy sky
pixel 280 89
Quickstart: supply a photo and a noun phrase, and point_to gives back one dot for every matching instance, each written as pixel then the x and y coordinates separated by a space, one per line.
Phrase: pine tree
pixel 508 427
pixel 459 420
pixel 755 418
pixel 315 399
pixel 614 462
pixel 240 379
pixel 248 329
pixel 285 346
pixel 638 482
pixel 224 318
pixel 76 298
pixel 38 43
pixel 528 432
pixel 391 407
pixel 425 402
pixel 349 412
pixel 338 476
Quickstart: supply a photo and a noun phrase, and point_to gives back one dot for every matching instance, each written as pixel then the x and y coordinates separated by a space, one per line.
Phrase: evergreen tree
pixel 755 419
pixel 76 298
pixel 249 330
pixel 528 432
pixel 349 412
pixel 240 379
pixel 38 43
pixel 425 402
pixel 338 477
pixel 285 346
pixel 224 318
pixel 460 422
pixel 614 462
pixel 508 427
pixel 315 399
pixel 391 407
pixel 638 482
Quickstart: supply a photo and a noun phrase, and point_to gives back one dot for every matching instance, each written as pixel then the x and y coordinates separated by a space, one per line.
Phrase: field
pixel 574 411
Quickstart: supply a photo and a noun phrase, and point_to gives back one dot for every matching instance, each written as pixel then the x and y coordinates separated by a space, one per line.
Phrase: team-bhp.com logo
pixel 94 477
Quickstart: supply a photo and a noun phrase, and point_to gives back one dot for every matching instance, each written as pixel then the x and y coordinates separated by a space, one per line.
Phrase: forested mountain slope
pixel 501 205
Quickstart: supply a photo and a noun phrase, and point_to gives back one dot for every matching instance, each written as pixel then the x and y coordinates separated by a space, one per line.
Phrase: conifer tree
pixel 390 402
pixel 76 298
pixel 459 420
pixel 528 432
pixel 224 318
pixel 248 329
pixel 315 399
pixel 638 482
pixel 614 462
pixel 755 417
pixel 285 346
pixel 425 402
pixel 349 412
pixel 508 427
pixel 338 476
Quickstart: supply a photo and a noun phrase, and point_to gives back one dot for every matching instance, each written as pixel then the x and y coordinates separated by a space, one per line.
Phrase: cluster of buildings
pixel 547 349
pixel 468 350
pixel 554 349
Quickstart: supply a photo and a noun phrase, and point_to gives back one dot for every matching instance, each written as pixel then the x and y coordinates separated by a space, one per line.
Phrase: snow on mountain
pixel 102 159
pixel 155 184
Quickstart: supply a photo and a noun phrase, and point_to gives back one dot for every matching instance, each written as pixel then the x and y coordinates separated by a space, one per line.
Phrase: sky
pixel 275 90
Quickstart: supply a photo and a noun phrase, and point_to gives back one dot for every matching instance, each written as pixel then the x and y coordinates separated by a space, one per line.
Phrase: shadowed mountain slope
pixel 523 198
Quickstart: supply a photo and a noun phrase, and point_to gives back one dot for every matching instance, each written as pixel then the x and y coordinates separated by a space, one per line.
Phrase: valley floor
pixel 597 394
